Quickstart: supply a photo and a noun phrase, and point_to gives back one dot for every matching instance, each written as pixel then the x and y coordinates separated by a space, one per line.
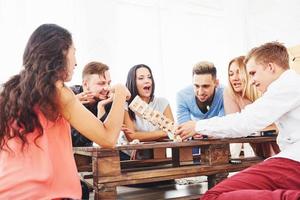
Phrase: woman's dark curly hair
pixel 44 63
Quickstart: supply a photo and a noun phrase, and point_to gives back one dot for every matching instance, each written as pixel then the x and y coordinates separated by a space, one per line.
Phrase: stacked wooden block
pixel 155 117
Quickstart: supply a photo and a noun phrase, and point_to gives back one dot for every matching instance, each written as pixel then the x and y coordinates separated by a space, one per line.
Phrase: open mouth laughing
pixel 147 88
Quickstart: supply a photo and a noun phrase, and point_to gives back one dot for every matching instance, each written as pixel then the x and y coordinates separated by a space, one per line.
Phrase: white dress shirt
pixel 279 104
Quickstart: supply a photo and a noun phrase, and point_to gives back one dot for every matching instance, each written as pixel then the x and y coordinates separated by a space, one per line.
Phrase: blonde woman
pixel 237 95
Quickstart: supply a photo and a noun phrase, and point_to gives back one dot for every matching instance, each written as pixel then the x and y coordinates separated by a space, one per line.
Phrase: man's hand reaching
pixel 186 130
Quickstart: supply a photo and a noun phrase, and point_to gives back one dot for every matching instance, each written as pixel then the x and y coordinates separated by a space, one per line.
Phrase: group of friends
pixel 39 114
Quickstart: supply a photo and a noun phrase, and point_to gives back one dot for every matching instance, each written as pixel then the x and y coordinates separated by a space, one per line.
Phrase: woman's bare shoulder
pixel 228 93
pixel 65 94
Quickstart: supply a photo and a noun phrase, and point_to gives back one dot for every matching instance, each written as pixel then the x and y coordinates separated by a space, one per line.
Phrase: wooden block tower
pixel 158 119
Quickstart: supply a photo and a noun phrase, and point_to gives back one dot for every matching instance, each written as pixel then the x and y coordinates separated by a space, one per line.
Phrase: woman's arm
pixel 86 123
pixel 131 134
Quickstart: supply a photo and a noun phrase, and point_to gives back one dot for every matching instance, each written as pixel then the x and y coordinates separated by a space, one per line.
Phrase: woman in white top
pixel 140 82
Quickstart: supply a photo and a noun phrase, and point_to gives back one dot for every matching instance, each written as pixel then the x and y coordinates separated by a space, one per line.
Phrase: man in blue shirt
pixel 202 100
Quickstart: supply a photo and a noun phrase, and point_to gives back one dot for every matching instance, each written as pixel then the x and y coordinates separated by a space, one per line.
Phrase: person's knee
pixel 211 195
pixel 286 194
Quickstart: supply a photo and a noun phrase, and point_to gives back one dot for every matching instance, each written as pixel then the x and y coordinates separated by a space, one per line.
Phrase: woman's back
pixel 36 110
pixel 43 171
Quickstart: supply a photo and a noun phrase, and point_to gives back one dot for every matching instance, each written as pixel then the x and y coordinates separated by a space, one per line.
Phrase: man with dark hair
pixel 204 99
pixel 279 176
pixel 94 95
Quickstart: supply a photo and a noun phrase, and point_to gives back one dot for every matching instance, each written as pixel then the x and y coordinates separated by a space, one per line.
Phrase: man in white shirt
pixel 279 176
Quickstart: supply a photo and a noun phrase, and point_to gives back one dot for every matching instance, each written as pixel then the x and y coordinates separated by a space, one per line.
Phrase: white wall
pixel 272 20
pixel 168 35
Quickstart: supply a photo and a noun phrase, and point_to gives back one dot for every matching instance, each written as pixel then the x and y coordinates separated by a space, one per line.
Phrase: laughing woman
pixel 140 82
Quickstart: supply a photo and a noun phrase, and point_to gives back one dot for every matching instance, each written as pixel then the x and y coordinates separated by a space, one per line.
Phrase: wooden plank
pixel 168 144
pixel 200 142
pixel 159 153
pixel 140 164
pixel 83 163
pixel 215 154
pixel 106 164
pixel 172 173
pixel 144 163
pixel 186 154
pixel 181 155
pixel 83 152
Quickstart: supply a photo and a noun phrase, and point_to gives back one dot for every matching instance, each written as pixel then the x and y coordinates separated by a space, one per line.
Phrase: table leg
pixel 105 163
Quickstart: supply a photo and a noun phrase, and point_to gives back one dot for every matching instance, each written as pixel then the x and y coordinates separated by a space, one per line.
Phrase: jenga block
pixel 158 119
pixel 161 121
pixel 141 108
pixel 155 118
pixel 134 104
pixel 167 125
pixel 172 128
pixel 148 113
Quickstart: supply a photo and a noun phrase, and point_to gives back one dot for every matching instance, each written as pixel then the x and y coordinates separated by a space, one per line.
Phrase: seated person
pixel 94 95
pixel 237 95
pixel 140 82
pixel 36 111
pixel 202 100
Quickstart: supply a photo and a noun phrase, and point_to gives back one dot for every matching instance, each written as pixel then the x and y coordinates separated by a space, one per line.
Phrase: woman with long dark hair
pixel 36 110
pixel 140 82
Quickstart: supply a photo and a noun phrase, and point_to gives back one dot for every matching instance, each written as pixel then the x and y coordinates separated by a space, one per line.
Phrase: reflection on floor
pixel 186 189
pixel 180 189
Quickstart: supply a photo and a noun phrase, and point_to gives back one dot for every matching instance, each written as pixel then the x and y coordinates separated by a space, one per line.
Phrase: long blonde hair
pixel 249 91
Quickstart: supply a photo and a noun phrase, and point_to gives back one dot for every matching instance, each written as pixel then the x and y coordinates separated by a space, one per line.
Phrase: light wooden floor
pixel 160 192
pixel 170 191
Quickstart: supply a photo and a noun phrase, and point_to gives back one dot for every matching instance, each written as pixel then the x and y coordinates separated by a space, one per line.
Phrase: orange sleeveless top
pixel 46 171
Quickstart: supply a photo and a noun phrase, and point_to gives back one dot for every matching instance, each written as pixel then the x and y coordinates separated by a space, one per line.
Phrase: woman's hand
pixel 119 88
pixel 127 131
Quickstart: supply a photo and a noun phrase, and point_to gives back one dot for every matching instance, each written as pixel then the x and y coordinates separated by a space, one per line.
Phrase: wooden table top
pixel 171 144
